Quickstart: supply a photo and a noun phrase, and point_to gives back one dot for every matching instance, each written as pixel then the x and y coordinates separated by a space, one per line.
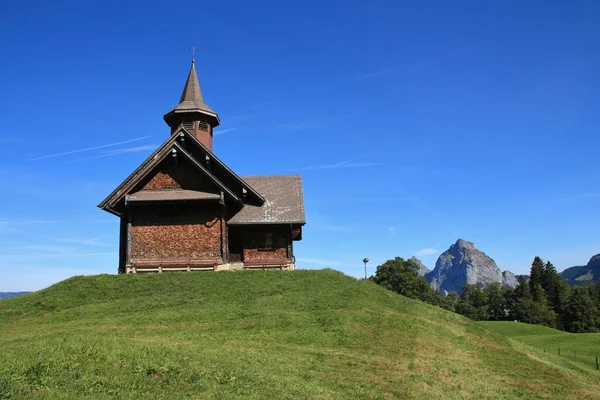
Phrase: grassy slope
pixel 302 334
pixel 586 344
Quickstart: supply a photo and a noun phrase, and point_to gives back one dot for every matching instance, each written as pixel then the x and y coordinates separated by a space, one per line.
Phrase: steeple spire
pixel 191 97
pixel 192 112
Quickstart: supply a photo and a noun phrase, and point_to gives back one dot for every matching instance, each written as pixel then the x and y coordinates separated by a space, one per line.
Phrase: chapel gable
pixel 173 173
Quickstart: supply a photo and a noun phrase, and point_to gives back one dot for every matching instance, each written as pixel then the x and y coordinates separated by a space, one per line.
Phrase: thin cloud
pixel 351 163
pixel 392 230
pixel 426 251
pixel 41 221
pixel 116 152
pixel 223 131
pixel 7 139
pixel 379 73
pixel 352 200
pixel 51 221
pixel 126 150
pixel 346 165
pixel 87 149
pixel 411 65
pixel 93 241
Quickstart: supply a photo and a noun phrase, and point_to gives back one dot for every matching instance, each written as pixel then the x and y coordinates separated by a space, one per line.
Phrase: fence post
pixel 596 362
pixel 544 348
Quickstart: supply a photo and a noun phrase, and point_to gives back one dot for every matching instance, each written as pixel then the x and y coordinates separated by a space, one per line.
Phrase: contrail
pixel 88 149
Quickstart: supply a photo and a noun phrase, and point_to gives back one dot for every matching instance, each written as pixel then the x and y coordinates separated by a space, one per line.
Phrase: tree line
pixel 544 298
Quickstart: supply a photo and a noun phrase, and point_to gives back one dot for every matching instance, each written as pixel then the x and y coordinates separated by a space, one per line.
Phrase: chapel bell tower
pixel 192 113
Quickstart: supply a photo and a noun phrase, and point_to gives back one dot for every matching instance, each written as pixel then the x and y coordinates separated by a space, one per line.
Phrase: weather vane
pixel 193 49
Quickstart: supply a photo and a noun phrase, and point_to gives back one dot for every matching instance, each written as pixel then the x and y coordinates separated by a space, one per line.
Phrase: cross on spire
pixel 193 50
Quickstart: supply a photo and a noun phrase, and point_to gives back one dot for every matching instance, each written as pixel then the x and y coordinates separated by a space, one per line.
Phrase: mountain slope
pixel 463 262
pixel 284 335
pixel 6 295
pixel 583 274
pixel 422 270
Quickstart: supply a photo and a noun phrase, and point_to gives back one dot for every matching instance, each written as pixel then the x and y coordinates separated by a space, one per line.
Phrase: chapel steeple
pixel 191 112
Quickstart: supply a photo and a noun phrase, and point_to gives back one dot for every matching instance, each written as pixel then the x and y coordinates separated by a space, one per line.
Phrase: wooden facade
pixel 183 209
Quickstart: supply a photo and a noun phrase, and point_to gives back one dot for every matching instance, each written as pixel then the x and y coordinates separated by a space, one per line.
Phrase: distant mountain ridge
pixel 583 274
pixel 463 262
pixel 422 269
pixel 6 295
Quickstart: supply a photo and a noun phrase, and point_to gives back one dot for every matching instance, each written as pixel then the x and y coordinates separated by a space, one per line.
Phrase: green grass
pixel 261 335
pixel 585 344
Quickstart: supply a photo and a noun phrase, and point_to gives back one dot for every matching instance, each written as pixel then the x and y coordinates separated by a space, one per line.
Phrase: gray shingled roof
pixel 168 195
pixel 284 201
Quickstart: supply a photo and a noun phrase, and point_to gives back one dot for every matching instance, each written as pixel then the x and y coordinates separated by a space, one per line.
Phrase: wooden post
pixel 596 362
pixel 544 348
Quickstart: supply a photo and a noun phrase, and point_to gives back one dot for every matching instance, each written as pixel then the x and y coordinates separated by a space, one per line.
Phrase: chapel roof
pixel 284 201
pixel 192 99
pixel 181 142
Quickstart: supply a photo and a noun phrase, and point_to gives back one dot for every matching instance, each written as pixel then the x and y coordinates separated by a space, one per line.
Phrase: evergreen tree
pixel 560 301
pixel 538 294
pixel 473 303
pixel 532 312
pixel 522 290
pixel 509 301
pixel 581 314
pixel 557 291
pixel 536 277
pixel 530 303
pixel 496 301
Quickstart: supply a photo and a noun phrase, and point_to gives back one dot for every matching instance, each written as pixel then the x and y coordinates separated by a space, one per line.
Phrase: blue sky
pixel 412 125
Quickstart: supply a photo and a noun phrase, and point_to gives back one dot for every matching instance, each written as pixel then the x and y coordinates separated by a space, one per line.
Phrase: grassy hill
pixel 280 335
pixel 585 344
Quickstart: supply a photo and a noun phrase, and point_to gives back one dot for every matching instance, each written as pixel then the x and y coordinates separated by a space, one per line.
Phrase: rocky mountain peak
pixel 463 262
pixel 595 259
pixel 463 244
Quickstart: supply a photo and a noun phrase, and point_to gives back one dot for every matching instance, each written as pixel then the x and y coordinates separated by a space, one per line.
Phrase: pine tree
pixel 557 291
pixel 522 290
pixel 581 314
pixel 536 277
pixel 530 303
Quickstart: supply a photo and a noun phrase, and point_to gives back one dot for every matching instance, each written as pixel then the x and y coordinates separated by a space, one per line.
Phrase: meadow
pixel 262 334
pixel 586 345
